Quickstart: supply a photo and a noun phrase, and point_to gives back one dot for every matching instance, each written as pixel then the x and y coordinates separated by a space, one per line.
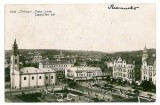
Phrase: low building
pixel 33 77
pixel 82 73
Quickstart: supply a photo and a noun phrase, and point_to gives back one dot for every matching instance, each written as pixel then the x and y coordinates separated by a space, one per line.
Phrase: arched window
pixel 40 77
pixel 25 78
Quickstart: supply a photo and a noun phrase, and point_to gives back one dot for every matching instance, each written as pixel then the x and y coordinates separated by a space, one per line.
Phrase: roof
pixel 57 62
pixel 127 58
pixel 82 68
pixel 35 70
pixel 145 49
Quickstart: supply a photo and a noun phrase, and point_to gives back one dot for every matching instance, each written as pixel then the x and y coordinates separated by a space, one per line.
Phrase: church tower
pixel 14 68
pixel 145 54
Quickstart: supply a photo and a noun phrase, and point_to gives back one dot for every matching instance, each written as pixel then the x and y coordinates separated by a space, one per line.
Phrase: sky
pixel 90 27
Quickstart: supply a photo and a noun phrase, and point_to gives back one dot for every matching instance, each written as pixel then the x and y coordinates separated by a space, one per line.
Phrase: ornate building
pixel 148 68
pixel 123 68
pixel 28 76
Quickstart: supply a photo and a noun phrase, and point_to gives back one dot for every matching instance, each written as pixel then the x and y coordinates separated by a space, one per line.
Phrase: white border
pixel 3 2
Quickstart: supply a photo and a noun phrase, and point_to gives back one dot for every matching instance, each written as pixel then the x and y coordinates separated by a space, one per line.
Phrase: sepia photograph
pixel 80 53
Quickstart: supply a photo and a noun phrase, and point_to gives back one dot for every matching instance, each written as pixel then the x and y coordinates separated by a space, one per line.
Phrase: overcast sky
pixel 82 27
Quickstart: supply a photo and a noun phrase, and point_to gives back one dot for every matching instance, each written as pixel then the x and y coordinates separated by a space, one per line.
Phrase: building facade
pixel 57 65
pixel 123 68
pixel 82 73
pixel 148 68
pixel 28 76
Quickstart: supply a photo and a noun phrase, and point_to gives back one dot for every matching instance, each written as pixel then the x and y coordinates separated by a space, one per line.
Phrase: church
pixel 28 76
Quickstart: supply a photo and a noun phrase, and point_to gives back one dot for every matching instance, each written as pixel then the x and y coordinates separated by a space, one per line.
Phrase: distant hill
pixel 50 53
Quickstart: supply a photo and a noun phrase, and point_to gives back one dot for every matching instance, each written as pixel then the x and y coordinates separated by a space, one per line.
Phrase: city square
pixel 69 54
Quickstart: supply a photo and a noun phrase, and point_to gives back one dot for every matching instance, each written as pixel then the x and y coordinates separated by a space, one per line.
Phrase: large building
pixel 58 65
pixel 123 68
pixel 82 73
pixel 148 68
pixel 28 76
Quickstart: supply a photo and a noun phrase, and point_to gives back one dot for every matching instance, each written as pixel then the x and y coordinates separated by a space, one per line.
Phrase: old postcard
pixel 80 53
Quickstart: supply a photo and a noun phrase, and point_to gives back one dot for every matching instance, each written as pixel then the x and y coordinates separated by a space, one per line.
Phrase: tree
pixel 72 84
pixel 119 82
pixel 133 83
pixel 113 80
pixel 136 92
pixel 124 82
pixel 147 85
pixel 7 74
pixel 108 78
pixel 76 64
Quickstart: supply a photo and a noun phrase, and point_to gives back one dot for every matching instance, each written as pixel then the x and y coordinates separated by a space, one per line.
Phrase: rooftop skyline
pixel 90 27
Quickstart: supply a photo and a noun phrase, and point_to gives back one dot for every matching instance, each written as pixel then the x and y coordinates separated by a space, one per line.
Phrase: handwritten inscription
pixel 112 6
pixel 35 12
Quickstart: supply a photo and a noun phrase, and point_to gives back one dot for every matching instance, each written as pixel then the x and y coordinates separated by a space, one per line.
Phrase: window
pixel 150 79
pixel 15 61
pixel 25 78
pixel 32 78
pixel 150 73
pixel 150 68
pixel 40 77
pixel 46 77
pixel 51 77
